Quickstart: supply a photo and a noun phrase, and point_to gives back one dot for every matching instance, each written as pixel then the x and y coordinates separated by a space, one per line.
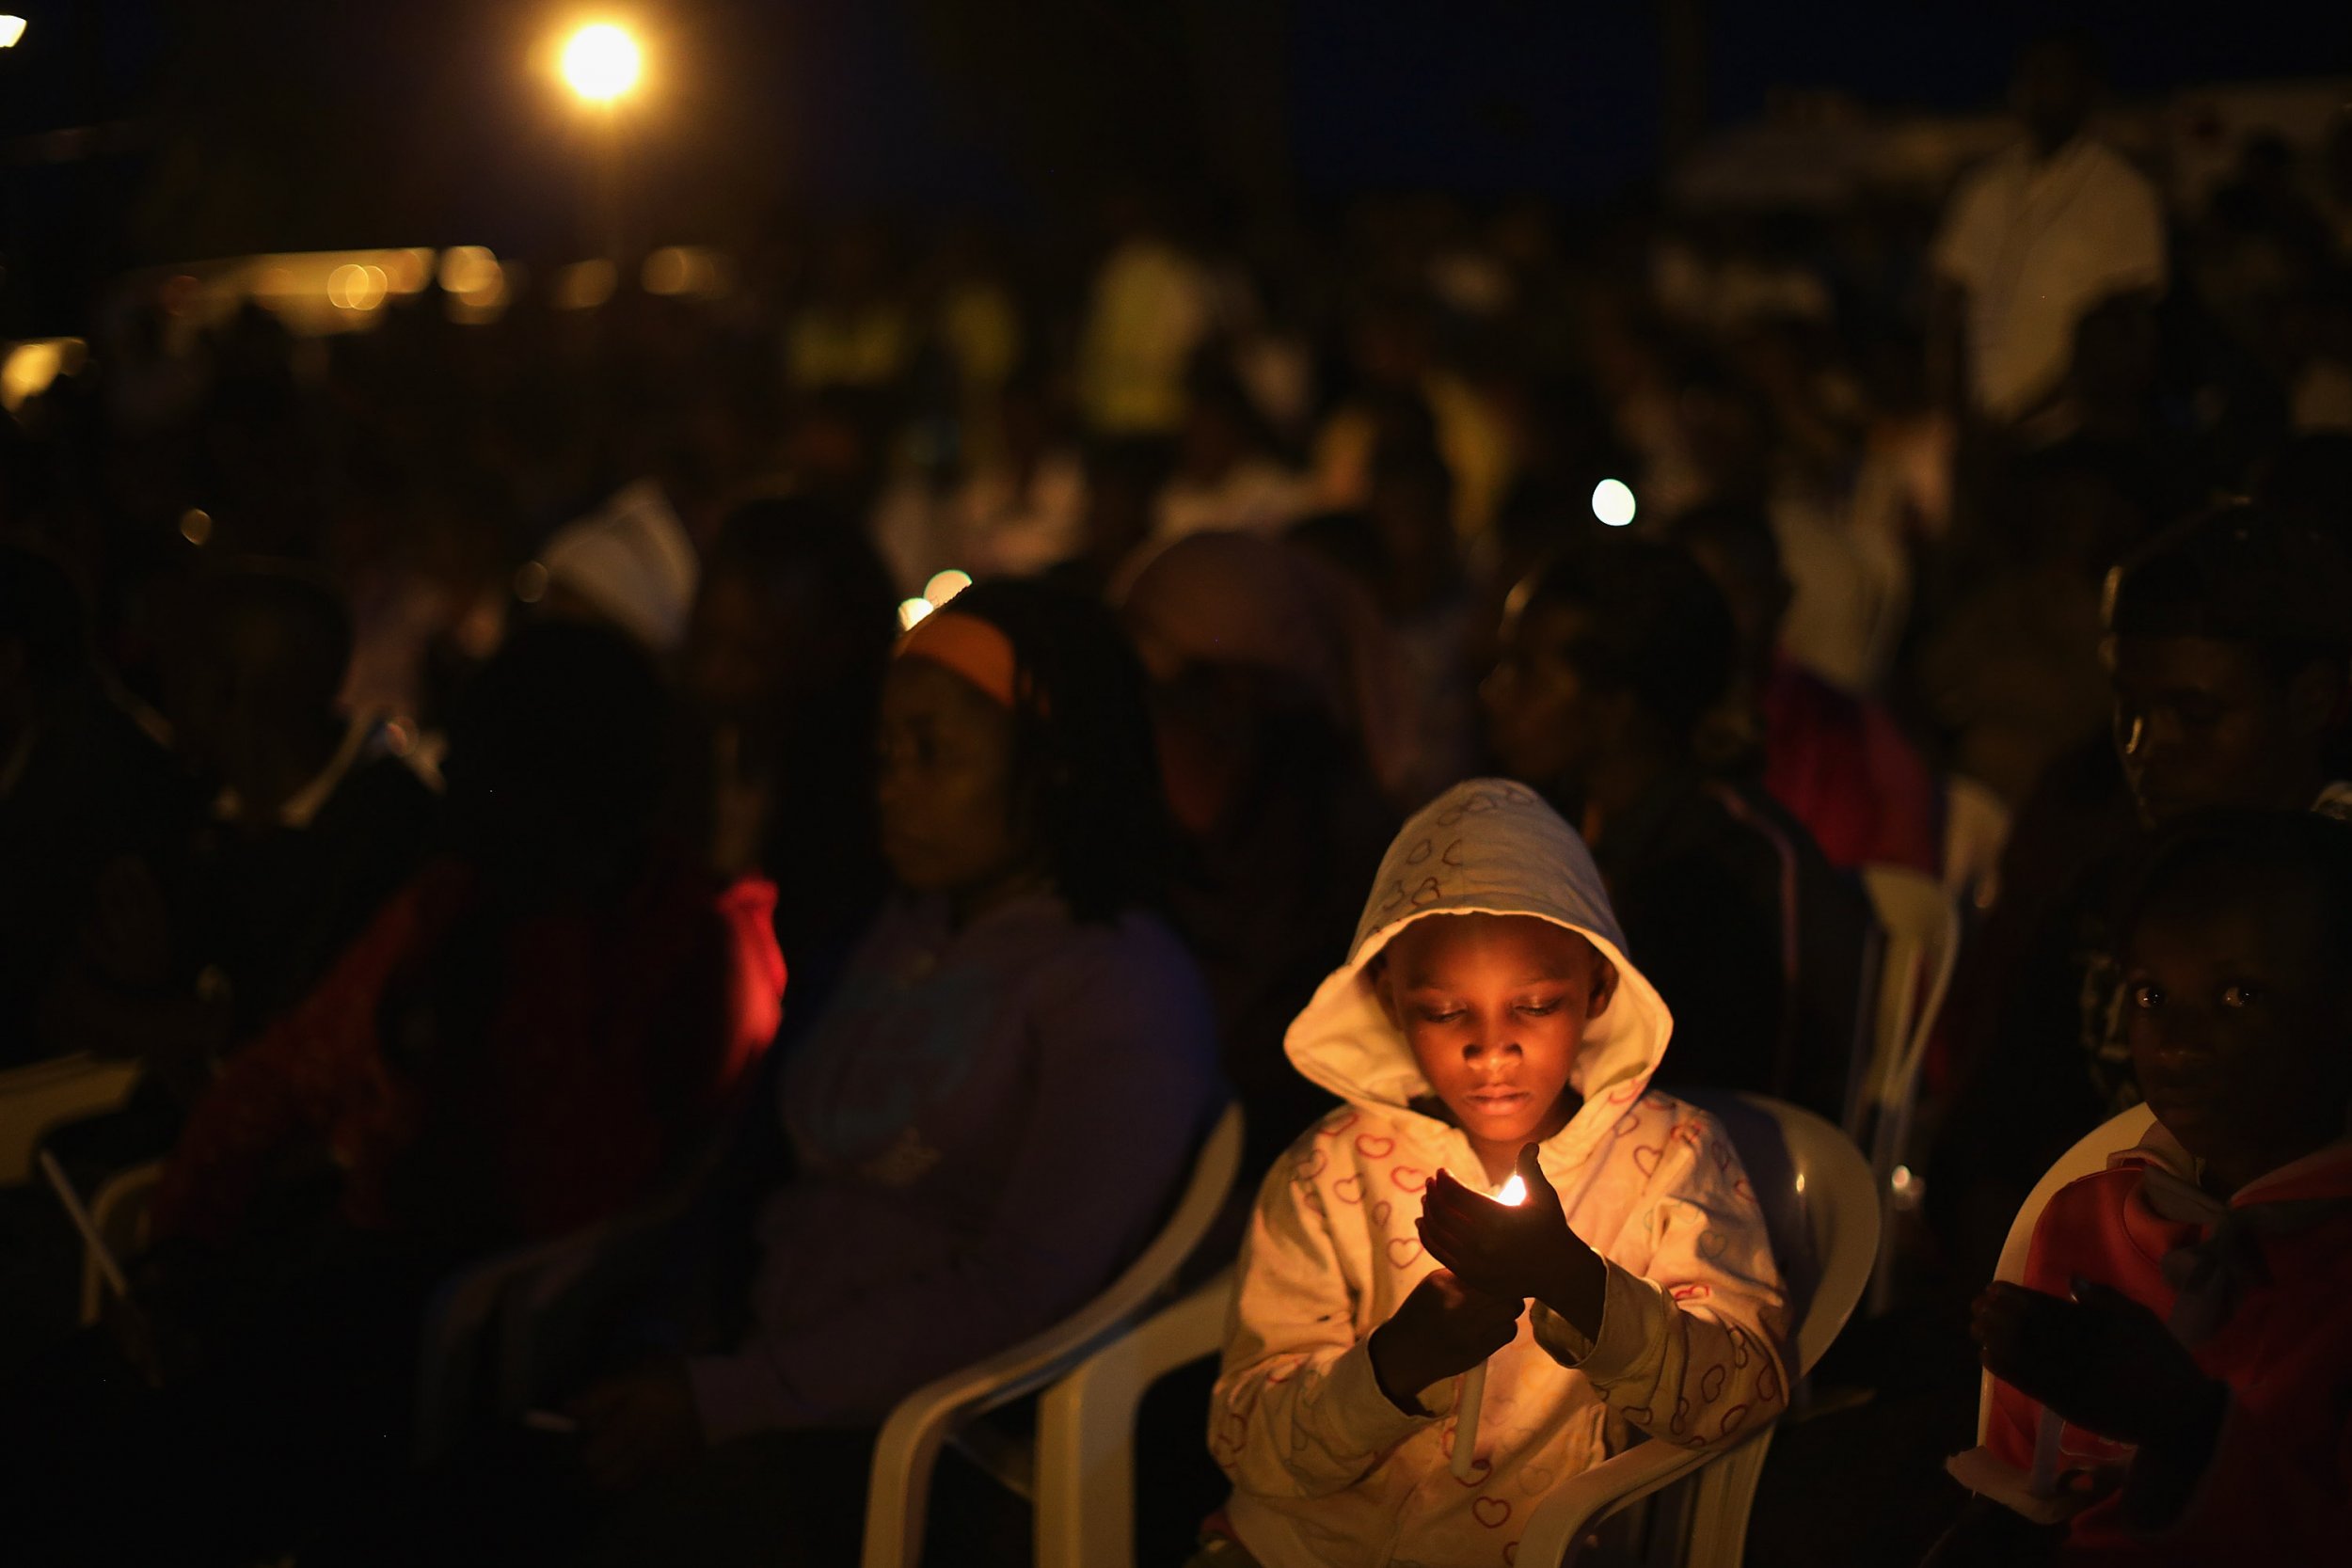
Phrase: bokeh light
pixel 583 285
pixel 354 287
pixel 601 62
pixel 32 365
pixel 1613 502
pixel 945 586
pixel 468 269
pixel 913 610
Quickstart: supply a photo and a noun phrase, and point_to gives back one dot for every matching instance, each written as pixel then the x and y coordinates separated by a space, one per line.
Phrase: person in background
pixel 782 668
pixel 2009 674
pixel 2182 1311
pixel 1610 657
pixel 1488 1023
pixel 2228 639
pixel 1227 476
pixel 316 821
pixel 83 792
pixel 1283 736
pixel 2034 240
pixel 1402 547
pixel 543 1022
pixel 989 1117
pixel 539 1029
pixel 1837 762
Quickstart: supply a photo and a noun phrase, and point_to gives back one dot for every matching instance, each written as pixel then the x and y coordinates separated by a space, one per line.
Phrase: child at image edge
pixel 1487 1021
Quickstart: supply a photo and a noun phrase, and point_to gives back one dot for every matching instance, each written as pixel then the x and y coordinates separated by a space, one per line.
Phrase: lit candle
pixel 1474 1380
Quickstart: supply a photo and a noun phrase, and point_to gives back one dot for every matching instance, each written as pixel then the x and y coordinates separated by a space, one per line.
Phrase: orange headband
pixel 969 647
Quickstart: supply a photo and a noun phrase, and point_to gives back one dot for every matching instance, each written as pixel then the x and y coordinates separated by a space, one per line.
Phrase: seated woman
pixel 991 1116
pixel 1489 1026
pixel 2181 1320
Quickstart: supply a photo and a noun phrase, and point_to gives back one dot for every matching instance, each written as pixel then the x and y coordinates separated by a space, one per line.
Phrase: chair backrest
pixel 2091 1153
pixel 36 1098
pixel 897 1494
pixel 1921 929
pixel 1975 830
pixel 119 1214
pixel 1821 1205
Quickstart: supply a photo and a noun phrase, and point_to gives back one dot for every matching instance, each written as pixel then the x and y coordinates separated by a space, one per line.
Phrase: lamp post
pixel 601 64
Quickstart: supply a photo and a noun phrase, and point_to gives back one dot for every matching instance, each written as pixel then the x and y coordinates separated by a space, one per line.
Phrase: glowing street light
pixel 1613 502
pixel 601 62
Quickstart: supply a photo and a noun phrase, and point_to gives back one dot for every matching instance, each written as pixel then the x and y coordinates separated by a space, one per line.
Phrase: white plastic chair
pixel 897 1496
pixel 48 1094
pixel 1975 830
pixel 1823 1214
pixel 2091 1153
pixel 1921 926
pixel 119 1213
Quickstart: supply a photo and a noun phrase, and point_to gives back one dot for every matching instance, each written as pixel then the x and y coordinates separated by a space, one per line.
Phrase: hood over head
pixel 1485 846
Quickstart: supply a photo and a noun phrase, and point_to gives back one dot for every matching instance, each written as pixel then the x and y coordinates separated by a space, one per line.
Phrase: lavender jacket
pixel 990 1122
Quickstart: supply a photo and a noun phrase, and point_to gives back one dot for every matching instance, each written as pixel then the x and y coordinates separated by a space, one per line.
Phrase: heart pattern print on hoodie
pixel 1325 1468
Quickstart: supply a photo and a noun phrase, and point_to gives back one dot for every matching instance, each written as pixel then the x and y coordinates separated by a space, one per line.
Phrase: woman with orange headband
pixel 989 1117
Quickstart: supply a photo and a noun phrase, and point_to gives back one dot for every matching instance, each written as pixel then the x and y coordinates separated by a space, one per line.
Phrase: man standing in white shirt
pixel 2032 242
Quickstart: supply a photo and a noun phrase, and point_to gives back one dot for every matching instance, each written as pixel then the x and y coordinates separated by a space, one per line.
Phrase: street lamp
pixel 601 64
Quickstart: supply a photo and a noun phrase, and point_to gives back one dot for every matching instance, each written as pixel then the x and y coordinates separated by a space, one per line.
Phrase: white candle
pixel 2042 1483
pixel 1474 1380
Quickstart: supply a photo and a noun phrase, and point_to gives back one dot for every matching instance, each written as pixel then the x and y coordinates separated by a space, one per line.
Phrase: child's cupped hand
pixel 1444 1327
pixel 1521 1251
pixel 2101 1360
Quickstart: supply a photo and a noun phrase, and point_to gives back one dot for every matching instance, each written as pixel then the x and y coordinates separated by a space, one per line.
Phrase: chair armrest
pixel 1086 1429
pixel 1571 1509
pixel 41 1096
pixel 1726 1478
pixel 898 1491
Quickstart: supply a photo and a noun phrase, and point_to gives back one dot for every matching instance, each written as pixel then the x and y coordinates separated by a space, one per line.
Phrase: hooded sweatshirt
pixel 1326 1469
pixel 2255 1287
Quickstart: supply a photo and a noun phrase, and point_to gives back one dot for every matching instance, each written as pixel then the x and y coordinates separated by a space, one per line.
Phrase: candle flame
pixel 1514 1192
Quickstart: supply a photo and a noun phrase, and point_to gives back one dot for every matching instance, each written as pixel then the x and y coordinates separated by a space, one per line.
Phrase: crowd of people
pixel 872 759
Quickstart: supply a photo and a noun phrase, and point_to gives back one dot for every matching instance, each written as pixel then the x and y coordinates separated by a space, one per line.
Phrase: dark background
pixel 148 130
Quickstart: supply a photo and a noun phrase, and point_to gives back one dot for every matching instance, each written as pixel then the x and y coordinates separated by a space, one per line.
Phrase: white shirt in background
pixel 2038 245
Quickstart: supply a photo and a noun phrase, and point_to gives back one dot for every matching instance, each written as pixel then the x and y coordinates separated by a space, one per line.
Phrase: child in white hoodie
pixel 1489 1019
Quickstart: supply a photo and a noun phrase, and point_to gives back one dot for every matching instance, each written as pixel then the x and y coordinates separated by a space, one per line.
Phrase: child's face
pixel 1495 1008
pixel 2238 1027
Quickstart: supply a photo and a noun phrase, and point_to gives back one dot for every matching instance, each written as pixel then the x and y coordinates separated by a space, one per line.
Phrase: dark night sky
pixel 315 123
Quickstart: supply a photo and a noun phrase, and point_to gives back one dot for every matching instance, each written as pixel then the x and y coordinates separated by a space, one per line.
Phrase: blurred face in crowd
pixel 1545 723
pixel 2199 721
pixel 2239 1024
pixel 2052 95
pixel 754 645
pixel 946 783
pixel 729 647
pixel 1494 1008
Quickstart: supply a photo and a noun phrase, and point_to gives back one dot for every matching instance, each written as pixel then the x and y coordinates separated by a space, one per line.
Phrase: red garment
pixel 2278 1487
pixel 615 1034
pixel 1841 765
